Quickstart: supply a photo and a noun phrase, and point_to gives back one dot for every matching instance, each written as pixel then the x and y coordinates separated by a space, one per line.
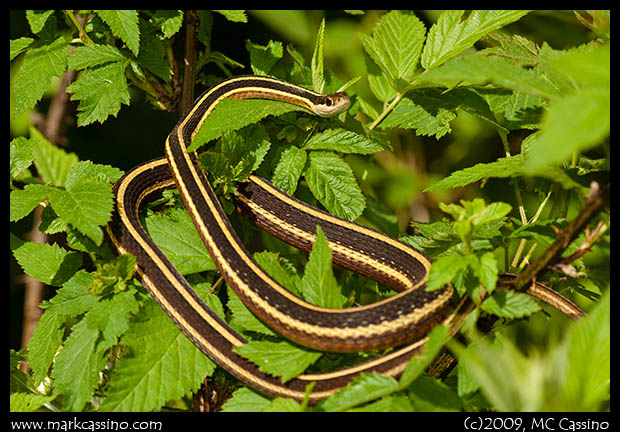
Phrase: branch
pixel 189 62
pixel 596 201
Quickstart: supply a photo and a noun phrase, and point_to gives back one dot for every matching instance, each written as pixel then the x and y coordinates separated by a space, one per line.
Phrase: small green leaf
pixel 124 24
pixel 37 19
pixel 510 304
pixel 280 269
pixel 485 269
pixel 17 46
pixel 431 395
pixel 242 317
pixel 364 388
pixel 343 141
pixel 289 168
pixel 245 400
pixel 93 55
pixel 396 45
pixel 278 358
pixel 76 369
pixel 427 122
pixel 332 182
pixel 23 202
pixel 52 163
pixel 262 58
pixel 444 271
pixel 452 34
pixel 318 285
pixel 176 236
pixel 28 402
pixel 101 91
pixel 33 78
pixel 48 263
pixel 233 15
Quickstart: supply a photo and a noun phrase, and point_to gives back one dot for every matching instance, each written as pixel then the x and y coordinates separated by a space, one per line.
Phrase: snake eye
pixel 328 101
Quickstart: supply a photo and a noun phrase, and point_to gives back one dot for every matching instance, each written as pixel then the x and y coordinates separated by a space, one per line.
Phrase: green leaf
pixel 425 120
pixel 162 364
pixel 245 400
pixel 111 317
pixel 101 91
pixel 44 343
pixel 233 114
pixel 33 78
pixel 93 55
pixel 280 269
pixel 86 205
pixel 234 15
pixel 52 163
pixel 437 338
pixel 343 141
pixel 37 19
pixel 452 34
pixel 510 304
pixel 478 69
pixel 48 263
pixel 318 285
pixel 23 202
pixel 444 270
pixel 431 395
pixel 485 269
pixel 77 366
pixel 262 58
pixel 332 182
pixel 396 44
pixel 242 317
pixel 364 388
pixel 169 21
pixel 17 46
pixel 176 236
pixel 280 359
pixel 124 24
pixel 572 124
pixel 28 402
pixel 318 80
pixel 289 168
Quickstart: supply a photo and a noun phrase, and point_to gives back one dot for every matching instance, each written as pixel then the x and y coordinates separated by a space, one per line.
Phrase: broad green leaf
pixel 452 33
pixel 395 45
pixel 280 359
pixel 589 359
pixel 111 317
pixel 161 364
pixel 124 24
pixel 101 91
pixel 386 404
pixel 478 69
pixel 33 78
pixel 87 205
pixel 77 366
pixel 52 163
pixel 318 80
pixel 362 389
pixel 176 236
pixel 72 300
pixel 262 58
pixel 431 395
pixel 510 304
pixel 152 55
pixel 342 141
pixel 233 114
pixel 572 124
pixel 318 284
pixel 332 182
pixel 87 56
pixel 289 168
pixel 48 263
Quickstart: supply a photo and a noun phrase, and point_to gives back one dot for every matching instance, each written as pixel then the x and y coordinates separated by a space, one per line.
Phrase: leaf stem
pixel 386 111
pixel 83 36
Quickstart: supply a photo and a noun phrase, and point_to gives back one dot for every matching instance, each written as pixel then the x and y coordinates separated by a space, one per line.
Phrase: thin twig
pixel 597 200
pixel 189 62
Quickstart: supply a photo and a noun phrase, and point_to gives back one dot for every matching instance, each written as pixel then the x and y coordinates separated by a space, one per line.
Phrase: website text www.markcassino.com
pixel 86 425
